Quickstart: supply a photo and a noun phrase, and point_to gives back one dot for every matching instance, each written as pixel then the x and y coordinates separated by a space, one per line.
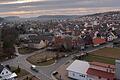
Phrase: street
pixel 44 72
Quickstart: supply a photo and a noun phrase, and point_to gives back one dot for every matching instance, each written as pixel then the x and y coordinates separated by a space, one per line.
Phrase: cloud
pixel 28 8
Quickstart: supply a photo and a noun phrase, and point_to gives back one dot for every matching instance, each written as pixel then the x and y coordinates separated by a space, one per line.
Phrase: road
pixel 24 64
pixel 44 72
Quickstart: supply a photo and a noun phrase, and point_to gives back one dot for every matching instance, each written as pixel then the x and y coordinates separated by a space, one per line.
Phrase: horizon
pixel 35 8
pixel 59 15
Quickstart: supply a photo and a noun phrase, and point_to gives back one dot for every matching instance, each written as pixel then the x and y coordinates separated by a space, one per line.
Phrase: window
pixel 2 73
pixel 73 74
pixel 6 71
pixel 99 77
pixel 82 75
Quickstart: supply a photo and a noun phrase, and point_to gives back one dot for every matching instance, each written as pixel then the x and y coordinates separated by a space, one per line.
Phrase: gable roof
pixel 98 41
pixel 1 68
pixel 100 73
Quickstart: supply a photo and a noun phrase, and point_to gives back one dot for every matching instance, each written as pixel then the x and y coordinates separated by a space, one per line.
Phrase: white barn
pixel 78 70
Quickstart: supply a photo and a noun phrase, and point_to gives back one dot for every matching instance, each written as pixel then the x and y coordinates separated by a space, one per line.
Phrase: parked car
pixel 55 72
pixel 33 67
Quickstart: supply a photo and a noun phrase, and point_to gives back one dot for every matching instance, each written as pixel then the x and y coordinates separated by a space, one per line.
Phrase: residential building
pixel 82 70
pixel 78 70
pixel 6 74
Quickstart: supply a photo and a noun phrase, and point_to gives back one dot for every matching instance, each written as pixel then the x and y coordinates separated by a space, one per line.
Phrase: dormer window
pixel 2 73
pixel 6 71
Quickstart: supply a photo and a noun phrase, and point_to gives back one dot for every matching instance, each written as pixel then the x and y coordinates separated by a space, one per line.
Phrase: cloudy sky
pixel 31 8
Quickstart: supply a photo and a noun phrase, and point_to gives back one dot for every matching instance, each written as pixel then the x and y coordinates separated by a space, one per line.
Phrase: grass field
pixel 44 59
pixel 105 55
pixel 108 52
pixel 101 59
pixel 46 63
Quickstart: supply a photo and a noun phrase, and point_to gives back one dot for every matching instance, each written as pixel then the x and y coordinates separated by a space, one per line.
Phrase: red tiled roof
pixel 101 74
pixel 102 65
pixel 98 41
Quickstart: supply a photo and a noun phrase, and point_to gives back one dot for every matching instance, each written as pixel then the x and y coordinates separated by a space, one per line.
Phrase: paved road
pixel 21 61
pixel 44 72
pixel 48 70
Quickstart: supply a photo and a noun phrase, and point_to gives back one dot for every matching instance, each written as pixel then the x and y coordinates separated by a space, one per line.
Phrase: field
pixel 108 52
pixel 101 59
pixel 105 55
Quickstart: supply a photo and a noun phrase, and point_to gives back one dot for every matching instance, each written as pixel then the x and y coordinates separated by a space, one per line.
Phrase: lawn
pixel 26 50
pixel 108 52
pixel 101 59
pixel 44 58
pixel 46 63
pixel 22 72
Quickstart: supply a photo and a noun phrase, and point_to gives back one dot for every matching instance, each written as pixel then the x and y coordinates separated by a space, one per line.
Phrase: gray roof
pixel 1 68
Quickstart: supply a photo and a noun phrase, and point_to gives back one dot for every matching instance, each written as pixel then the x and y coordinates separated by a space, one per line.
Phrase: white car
pixel 33 67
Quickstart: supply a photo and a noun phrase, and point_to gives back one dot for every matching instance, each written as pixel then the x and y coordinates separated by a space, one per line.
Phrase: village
pixel 84 48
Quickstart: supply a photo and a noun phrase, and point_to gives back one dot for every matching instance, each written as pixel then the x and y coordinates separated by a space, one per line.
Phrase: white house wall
pixel 77 76
pixel 5 72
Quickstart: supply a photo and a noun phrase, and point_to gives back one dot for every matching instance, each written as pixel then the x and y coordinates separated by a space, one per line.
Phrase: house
pixel 88 40
pixel 6 74
pixel 63 42
pixel 78 70
pixel 101 71
pixel 111 36
pixel 36 41
pixel 97 41
pixel 24 39
pixel 37 45
pixel 82 70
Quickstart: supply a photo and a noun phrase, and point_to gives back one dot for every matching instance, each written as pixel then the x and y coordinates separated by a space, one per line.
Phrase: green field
pixel 104 55
pixel 108 52
pixel 101 59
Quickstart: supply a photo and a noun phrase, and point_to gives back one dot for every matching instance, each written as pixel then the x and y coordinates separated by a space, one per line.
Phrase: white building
pixel 6 74
pixel 82 70
pixel 78 70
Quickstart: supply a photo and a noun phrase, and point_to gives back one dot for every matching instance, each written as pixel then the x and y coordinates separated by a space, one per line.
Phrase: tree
pixel 18 70
pixel 9 36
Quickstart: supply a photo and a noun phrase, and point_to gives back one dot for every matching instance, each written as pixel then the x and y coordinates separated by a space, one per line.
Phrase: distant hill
pixel 1 19
pixel 57 17
pixel 104 13
pixel 11 17
pixel 47 17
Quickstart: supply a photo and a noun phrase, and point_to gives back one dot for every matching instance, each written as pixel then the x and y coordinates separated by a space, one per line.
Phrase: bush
pixel 18 70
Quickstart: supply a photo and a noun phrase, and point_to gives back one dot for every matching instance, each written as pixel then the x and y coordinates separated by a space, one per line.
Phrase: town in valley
pixel 59 47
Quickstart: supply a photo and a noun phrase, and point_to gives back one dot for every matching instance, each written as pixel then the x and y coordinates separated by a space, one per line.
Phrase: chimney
pixel 117 71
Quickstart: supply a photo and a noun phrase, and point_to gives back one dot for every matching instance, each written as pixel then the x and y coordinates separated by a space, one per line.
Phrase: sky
pixel 33 8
